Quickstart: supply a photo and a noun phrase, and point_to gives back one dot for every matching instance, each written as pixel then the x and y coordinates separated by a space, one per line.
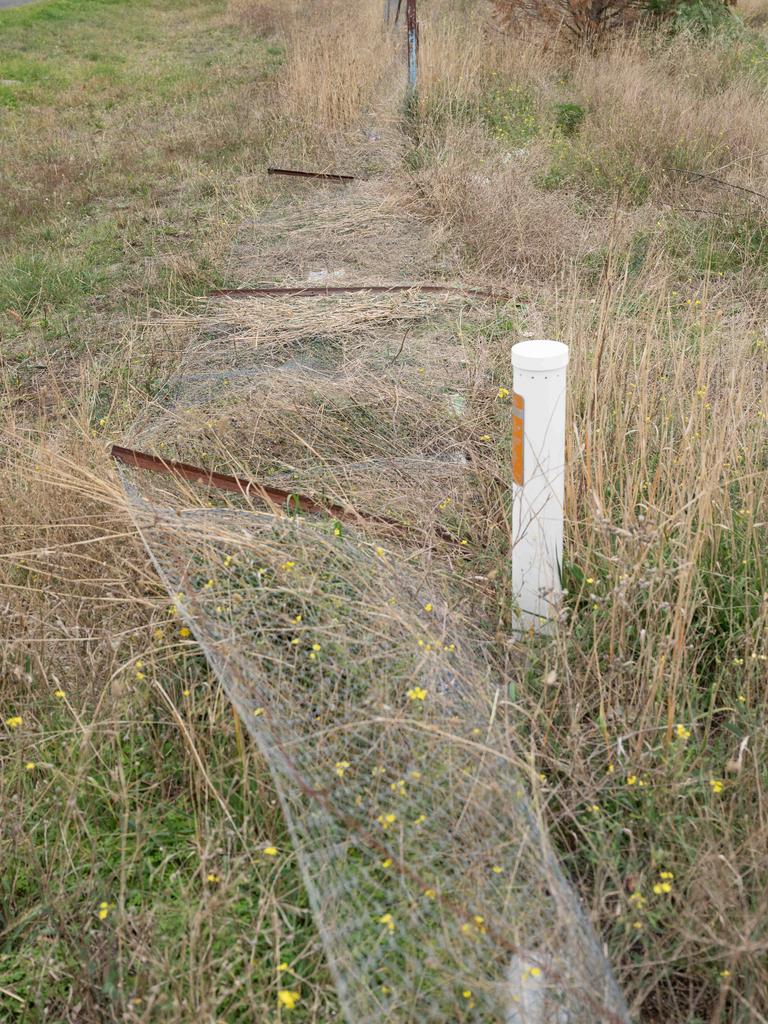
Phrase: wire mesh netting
pixel 348 654
pixel 432 883
pixel 352 651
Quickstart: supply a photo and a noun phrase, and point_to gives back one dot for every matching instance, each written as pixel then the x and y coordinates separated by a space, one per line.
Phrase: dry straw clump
pixel 260 17
pixel 335 70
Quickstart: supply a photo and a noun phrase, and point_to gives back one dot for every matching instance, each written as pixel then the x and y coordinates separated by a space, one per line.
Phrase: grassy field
pixel 131 143
pixel 620 194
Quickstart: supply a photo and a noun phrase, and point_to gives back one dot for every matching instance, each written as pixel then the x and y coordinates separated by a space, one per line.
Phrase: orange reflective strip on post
pixel 518 435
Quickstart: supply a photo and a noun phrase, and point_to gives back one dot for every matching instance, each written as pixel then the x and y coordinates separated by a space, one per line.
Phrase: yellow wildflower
pixel 270 851
pixel 385 820
pixel 60 695
pixel 716 785
pixel 502 392
pixel 340 767
pixel 213 878
pixel 681 732
pixel 288 998
pixel 30 766
pixel 416 693
pixel 184 631
pixel 14 721
pixel 387 863
pixel 104 909
pixel 387 920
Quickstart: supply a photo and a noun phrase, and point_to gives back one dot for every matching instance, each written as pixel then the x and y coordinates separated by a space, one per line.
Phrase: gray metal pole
pixel 413 45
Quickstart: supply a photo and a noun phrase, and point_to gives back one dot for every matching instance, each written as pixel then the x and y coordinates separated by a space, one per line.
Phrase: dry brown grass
pixel 658 282
pixel 261 18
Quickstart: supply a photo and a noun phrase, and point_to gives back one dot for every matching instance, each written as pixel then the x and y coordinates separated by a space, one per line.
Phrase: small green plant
pixel 702 17
pixel 569 117
pixel 509 112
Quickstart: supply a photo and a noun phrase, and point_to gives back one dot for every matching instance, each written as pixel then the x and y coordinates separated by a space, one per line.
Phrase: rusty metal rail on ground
pixel 253 490
pixel 377 289
pixel 317 175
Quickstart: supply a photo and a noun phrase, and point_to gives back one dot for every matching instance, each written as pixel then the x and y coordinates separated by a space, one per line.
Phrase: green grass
pixel 121 129
pixel 173 858
pixel 127 160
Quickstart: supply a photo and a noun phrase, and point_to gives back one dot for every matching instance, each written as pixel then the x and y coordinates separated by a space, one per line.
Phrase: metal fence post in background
pixel 413 45
pixel 538 473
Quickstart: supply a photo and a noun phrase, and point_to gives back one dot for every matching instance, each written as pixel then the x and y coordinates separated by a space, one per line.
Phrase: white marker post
pixel 538 472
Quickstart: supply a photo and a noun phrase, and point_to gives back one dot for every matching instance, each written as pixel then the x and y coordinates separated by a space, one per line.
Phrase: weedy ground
pixel 620 196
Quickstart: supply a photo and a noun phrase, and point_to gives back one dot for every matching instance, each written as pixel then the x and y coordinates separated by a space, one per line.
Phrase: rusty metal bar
pixel 376 289
pixel 236 484
pixel 310 174
pixel 255 491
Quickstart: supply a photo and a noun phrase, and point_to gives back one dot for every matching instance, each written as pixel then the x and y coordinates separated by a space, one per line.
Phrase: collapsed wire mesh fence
pixel 430 876
pixel 355 657
pixel 351 662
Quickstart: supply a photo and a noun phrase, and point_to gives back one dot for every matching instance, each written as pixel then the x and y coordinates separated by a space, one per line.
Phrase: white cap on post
pixel 539 355
pixel 538 471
